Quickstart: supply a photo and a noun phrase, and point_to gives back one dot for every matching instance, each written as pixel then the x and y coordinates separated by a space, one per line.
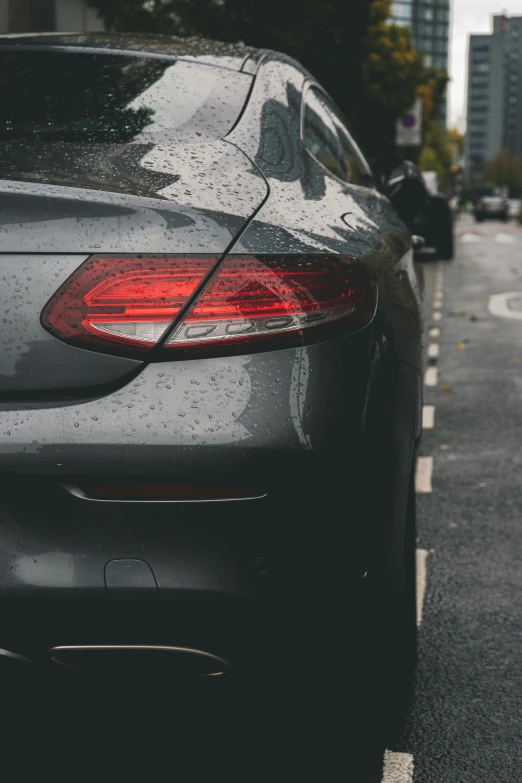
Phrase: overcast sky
pixel 470 16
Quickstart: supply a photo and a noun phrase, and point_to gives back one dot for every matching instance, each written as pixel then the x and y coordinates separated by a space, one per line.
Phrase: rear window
pixel 93 96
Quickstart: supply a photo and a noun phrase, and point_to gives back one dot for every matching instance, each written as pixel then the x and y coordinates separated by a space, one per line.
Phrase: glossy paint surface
pixel 326 431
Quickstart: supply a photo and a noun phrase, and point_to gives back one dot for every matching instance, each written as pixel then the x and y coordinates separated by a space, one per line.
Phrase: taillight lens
pixel 257 297
pixel 139 303
pixel 130 301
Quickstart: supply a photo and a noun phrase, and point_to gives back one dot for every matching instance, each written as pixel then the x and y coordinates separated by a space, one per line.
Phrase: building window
pixel 402 10
pixel 442 15
pixel 424 29
pixel 441 47
pixel 426 14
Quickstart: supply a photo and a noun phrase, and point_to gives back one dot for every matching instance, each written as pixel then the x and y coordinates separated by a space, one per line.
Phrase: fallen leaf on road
pixel 458 314
pixel 476 318
pixel 460 345
pixel 446 388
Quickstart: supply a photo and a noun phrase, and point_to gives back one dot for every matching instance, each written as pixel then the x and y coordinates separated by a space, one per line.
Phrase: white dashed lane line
pixel 428 417
pixel 433 351
pixel 422 556
pixel 431 376
pixel 470 238
pixel 434 331
pixel 423 474
pixel 437 316
pixel 398 767
pixel 507 239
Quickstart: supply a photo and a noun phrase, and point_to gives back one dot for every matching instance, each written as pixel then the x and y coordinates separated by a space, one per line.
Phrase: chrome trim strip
pixel 226 666
pixel 77 492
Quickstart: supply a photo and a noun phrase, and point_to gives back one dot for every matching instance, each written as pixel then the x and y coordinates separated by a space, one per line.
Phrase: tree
pixel 436 154
pixel 391 73
pixel 367 63
pixel 505 170
pixel 325 35
pixel 457 139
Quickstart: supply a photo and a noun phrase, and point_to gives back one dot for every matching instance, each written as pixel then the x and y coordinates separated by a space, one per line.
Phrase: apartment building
pixel 494 96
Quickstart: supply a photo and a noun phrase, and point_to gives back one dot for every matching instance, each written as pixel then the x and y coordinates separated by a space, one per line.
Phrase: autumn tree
pixel 368 64
pixel 505 170
pixel 457 139
pixel 436 154
pixel 325 35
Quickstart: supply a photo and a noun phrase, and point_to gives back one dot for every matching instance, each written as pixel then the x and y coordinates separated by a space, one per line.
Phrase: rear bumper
pixel 226 577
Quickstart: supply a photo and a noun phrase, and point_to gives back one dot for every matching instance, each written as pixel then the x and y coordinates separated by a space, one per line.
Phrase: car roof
pixel 237 57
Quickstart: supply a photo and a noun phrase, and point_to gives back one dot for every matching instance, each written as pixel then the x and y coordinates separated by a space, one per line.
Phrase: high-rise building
pixel 429 21
pixel 494 101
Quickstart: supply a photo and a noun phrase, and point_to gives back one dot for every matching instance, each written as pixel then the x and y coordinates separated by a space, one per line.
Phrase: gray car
pixel 210 365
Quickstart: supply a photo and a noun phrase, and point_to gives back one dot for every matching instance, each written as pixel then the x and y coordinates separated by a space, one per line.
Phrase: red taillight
pixel 254 297
pixel 130 301
pixel 140 302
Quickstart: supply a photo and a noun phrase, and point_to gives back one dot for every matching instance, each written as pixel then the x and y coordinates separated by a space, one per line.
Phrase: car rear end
pixel 491 207
pixel 179 422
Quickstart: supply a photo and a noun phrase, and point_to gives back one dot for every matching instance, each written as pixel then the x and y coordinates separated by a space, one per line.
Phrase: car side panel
pixel 310 211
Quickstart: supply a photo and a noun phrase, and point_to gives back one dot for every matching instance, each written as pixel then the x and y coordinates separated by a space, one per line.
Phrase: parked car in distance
pixel 435 220
pixel 491 208
pixel 211 371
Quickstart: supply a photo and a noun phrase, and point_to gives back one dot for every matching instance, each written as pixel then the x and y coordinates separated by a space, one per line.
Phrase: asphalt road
pixel 466 719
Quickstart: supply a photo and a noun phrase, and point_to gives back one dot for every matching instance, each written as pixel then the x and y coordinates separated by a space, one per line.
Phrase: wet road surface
pixel 466 720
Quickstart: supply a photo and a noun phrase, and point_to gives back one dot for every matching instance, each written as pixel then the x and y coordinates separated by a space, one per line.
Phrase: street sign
pixel 409 127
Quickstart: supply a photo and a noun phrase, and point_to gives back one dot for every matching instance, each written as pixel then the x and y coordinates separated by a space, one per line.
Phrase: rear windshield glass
pixel 51 95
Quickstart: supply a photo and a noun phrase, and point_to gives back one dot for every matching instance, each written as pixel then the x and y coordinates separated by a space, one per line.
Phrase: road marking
pixel 428 417
pixel 437 316
pixel 470 238
pixel 423 474
pixel 398 767
pixel 422 555
pixel 498 305
pixel 433 351
pixel 437 304
pixel 431 376
pixel 434 331
pixel 508 239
